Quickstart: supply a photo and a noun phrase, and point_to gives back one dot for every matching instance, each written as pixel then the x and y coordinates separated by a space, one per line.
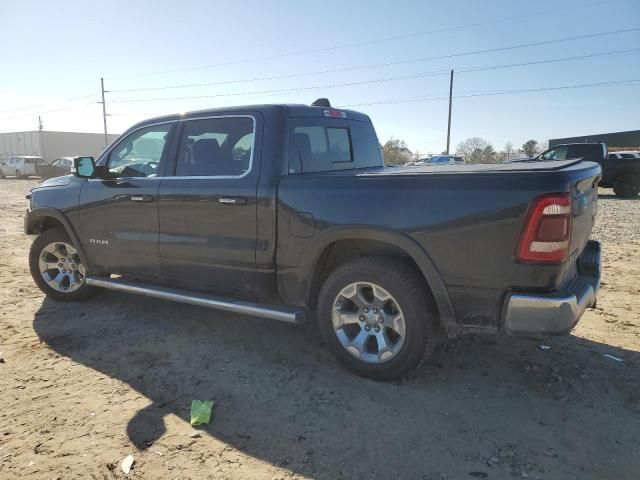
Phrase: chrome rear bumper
pixel 556 313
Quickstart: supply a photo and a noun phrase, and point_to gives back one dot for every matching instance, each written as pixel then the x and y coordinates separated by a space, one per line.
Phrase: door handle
pixel 232 200
pixel 141 198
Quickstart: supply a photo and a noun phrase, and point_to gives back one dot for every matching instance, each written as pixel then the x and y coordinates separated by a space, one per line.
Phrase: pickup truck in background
pixel 59 167
pixel 622 173
pixel 288 212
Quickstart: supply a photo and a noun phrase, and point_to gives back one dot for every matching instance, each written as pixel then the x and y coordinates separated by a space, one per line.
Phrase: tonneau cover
pixel 484 167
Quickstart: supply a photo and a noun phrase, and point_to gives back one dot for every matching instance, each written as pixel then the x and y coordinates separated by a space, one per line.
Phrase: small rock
pixel 494 460
pixel 127 463
pixel 195 434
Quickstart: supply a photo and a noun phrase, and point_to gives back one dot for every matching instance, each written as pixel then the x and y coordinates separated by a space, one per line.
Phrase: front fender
pixel 35 222
pixel 404 242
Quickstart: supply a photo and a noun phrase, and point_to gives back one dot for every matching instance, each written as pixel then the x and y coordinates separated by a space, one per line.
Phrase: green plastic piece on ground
pixel 201 411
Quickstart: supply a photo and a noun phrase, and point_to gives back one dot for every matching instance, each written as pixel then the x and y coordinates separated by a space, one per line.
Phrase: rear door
pixel 208 227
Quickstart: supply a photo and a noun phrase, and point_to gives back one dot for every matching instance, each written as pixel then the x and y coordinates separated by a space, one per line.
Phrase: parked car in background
pixel 622 172
pixel 624 154
pixel 59 167
pixel 288 212
pixel 19 166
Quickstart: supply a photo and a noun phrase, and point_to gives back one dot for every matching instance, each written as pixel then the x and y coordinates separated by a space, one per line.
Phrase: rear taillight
pixel 547 230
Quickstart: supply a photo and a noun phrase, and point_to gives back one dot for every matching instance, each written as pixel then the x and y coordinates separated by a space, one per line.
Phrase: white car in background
pixel 19 166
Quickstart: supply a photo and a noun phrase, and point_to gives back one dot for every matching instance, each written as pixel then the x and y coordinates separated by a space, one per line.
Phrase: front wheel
pixel 627 186
pixel 56 267
pixel 377 318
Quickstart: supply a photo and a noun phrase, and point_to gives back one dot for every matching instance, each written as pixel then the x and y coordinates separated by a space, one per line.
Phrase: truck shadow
pixel 281 398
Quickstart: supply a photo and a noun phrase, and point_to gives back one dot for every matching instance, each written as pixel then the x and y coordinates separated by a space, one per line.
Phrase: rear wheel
pixel 377 318
pixel 57 268
pixel 627 186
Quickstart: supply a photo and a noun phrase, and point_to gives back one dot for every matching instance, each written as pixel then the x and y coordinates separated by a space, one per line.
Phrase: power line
pixel 74 107
pixel 387 64
pixel 366 42
pixel 491 93
pixel 66 100
pixel 379 80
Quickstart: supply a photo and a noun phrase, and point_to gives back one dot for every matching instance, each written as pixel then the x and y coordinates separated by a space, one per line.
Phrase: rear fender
pixel 407 244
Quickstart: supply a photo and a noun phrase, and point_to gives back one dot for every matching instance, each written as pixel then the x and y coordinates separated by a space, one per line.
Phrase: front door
pixel 208 226
pixel 119 216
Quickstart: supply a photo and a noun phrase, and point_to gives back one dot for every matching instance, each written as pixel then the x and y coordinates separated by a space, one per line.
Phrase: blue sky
pixel 53 51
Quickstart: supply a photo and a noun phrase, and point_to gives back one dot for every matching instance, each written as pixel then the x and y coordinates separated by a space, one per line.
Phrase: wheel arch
pixel 359 242
pixel 42 219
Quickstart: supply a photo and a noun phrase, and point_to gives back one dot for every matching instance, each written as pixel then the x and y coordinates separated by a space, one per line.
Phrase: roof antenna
pixel 321 102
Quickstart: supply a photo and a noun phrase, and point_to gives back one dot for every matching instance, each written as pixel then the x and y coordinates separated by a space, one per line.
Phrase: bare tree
pixel 476 150
pixel 509 150
pixel 542 146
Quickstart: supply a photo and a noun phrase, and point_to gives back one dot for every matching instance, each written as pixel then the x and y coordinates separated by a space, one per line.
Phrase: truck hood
pixel 57 182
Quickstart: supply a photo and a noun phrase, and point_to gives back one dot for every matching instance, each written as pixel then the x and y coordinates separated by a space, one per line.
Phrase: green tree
pixel 530 148
pixel 396 152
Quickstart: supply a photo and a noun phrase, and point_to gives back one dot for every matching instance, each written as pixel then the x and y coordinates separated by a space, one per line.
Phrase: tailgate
pixel 585 205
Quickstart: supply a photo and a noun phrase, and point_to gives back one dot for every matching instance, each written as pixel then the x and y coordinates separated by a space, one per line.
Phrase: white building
pixel 51 145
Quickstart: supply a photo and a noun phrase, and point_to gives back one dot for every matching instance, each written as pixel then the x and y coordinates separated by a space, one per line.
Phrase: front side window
pixel 139 154
pixel 216 147
pixel 559 153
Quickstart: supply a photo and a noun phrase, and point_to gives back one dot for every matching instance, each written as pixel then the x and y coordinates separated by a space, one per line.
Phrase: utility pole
pixel 450 100
pixel 40 139
pixel 104 113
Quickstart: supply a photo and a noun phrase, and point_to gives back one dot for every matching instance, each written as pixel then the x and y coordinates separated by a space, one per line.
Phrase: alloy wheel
pixel 61 267
pixel 368 322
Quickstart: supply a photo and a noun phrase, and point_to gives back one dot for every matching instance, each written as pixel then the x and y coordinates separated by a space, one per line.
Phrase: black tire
pixel 45 238
pixel 18 174
pixel 408 289
pixel 627 186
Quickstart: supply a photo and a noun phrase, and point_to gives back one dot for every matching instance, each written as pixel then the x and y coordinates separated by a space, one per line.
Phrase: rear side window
pixel 216 147
pixel 627 155
pixel 613 156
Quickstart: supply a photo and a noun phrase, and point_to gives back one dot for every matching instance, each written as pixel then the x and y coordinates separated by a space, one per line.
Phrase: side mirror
pixel 84 167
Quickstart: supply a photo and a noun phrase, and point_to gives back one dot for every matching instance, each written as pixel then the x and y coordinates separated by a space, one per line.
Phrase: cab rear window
pixel 328 145
pixel 320 147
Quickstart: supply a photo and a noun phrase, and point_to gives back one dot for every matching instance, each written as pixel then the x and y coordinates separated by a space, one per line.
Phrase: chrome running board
pixel 283 314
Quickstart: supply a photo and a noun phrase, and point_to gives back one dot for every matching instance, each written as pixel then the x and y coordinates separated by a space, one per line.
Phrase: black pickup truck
pixel 288 212
pixel 621 174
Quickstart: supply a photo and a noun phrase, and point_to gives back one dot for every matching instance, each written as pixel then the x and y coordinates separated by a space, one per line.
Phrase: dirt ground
pixel 84 385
